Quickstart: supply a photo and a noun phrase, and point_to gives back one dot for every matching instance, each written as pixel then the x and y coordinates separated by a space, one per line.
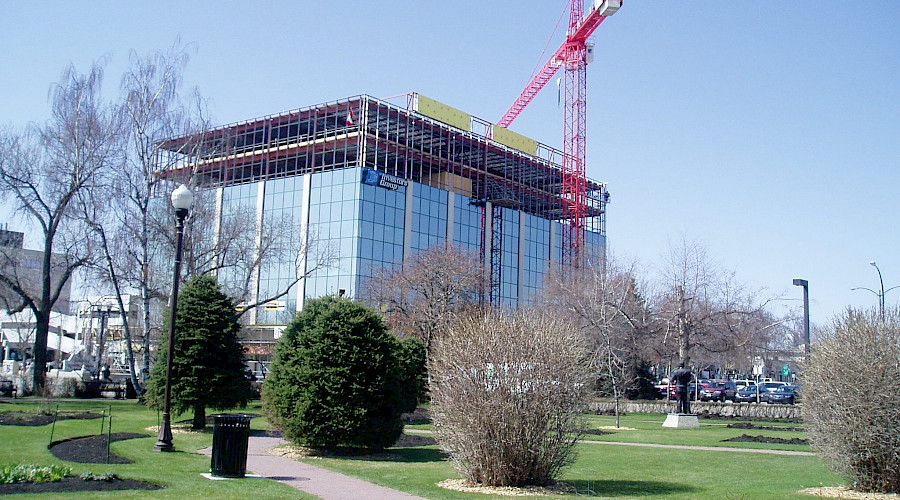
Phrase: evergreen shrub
pixel 209 370
pixel 336 378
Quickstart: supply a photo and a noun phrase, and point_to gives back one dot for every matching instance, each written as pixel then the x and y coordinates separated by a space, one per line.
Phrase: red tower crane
pixel 573 55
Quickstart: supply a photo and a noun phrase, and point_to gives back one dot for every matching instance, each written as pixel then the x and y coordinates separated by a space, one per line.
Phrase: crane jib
pixel 600 11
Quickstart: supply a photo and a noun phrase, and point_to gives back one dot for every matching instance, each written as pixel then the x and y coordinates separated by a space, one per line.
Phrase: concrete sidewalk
pixel 321 482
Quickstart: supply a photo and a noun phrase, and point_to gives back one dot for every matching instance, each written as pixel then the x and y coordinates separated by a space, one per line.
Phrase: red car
pixel 718 390
pixel 667 390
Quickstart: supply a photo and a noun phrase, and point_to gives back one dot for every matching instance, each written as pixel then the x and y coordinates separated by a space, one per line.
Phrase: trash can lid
pixel 233 418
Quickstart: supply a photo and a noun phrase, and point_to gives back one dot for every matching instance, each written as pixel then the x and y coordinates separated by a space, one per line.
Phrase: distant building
pixel 102 333
pixel 23 267
pixel 11 239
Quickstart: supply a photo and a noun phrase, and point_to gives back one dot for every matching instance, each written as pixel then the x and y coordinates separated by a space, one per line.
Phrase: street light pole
pixel 883 291
pixel 805 285
pixel 881 295
pixel 182 199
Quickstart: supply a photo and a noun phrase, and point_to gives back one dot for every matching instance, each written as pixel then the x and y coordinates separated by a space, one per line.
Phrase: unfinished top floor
pixel 420 140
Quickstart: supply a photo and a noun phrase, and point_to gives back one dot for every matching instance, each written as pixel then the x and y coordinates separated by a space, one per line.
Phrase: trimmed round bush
pixel 507 396
pixel 336 378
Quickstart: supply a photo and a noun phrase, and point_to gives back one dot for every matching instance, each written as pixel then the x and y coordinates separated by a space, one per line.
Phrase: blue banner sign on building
pixel 381 179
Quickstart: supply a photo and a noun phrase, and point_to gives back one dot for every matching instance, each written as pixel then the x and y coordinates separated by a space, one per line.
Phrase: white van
pixel 744 383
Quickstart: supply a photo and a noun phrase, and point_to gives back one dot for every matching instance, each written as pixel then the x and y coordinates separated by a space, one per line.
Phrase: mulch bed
pixel 75 483
pixel 744 438
pixel 749 425
pixel 38 419
pixel 92 449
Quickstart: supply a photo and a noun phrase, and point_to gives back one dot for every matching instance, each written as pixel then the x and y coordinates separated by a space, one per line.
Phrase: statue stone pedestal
pixel 681 421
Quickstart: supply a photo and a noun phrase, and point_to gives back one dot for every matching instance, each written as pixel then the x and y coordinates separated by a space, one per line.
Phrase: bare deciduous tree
pixel 419 298
pixel 602 302
pixel 507 394
pixel 41 173
pixel 701 307
pixel 850 395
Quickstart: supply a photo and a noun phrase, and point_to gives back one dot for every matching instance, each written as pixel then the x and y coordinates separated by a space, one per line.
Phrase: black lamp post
pixel 181 200
pixel 805 285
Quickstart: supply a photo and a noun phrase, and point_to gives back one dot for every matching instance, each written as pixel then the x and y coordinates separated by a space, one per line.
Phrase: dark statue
pixel 682 379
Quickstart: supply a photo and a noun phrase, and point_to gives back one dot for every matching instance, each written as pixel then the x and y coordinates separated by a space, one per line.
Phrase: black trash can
pixel 231 433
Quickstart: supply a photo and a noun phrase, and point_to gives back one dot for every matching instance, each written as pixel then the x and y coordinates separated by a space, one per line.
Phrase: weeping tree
pixel 151 110
pixel 702 307
pixel 43 172
pixel 208 370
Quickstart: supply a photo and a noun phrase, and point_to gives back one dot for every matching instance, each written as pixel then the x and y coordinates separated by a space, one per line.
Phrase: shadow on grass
pixel 398 455
pixel 614 488
pixel 419 455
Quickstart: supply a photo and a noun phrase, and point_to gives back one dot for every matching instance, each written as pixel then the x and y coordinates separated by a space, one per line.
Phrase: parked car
pixel 748 394
pixel 664 387
pixel 786 394
pixel 718 390
pixel 771 386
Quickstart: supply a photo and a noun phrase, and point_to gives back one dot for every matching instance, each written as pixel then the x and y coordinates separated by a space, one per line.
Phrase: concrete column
pixel 451 201
pixel 407 222
pixel 522 247
pixel 303 247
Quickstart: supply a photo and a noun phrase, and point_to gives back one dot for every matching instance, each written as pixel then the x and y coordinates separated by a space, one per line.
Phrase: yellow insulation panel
pixel 516 141
pixel 443 113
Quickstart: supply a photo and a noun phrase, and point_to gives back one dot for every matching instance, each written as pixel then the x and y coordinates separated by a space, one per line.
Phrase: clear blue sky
pixel 770 131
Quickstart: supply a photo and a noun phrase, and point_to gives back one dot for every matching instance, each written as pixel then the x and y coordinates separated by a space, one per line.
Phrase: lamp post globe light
pixel 182 198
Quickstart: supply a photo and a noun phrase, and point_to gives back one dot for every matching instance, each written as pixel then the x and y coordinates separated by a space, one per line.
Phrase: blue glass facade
pixel 282 208
pixel 429 217
pixel 363 226
pixel 334 226
pixel 509 257
pixel 382 226
pixel 534 258
pixel 467 225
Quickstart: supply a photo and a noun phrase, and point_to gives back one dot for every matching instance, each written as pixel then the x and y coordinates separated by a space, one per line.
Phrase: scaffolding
pixel 419 140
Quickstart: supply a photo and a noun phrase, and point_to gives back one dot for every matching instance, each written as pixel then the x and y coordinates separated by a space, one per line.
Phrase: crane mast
pixel 573 57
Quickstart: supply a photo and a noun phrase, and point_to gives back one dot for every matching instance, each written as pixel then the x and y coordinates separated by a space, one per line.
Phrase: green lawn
pixel 600 471
pixel 648 429
pixel 613 471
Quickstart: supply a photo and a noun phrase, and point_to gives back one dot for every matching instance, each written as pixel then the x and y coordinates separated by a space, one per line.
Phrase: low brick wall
pixel 736 410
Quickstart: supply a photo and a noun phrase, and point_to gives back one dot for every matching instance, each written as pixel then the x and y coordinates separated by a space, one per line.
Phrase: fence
pixel 728 410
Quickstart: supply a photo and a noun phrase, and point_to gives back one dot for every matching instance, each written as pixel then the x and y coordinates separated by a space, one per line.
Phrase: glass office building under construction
pixel 380 181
